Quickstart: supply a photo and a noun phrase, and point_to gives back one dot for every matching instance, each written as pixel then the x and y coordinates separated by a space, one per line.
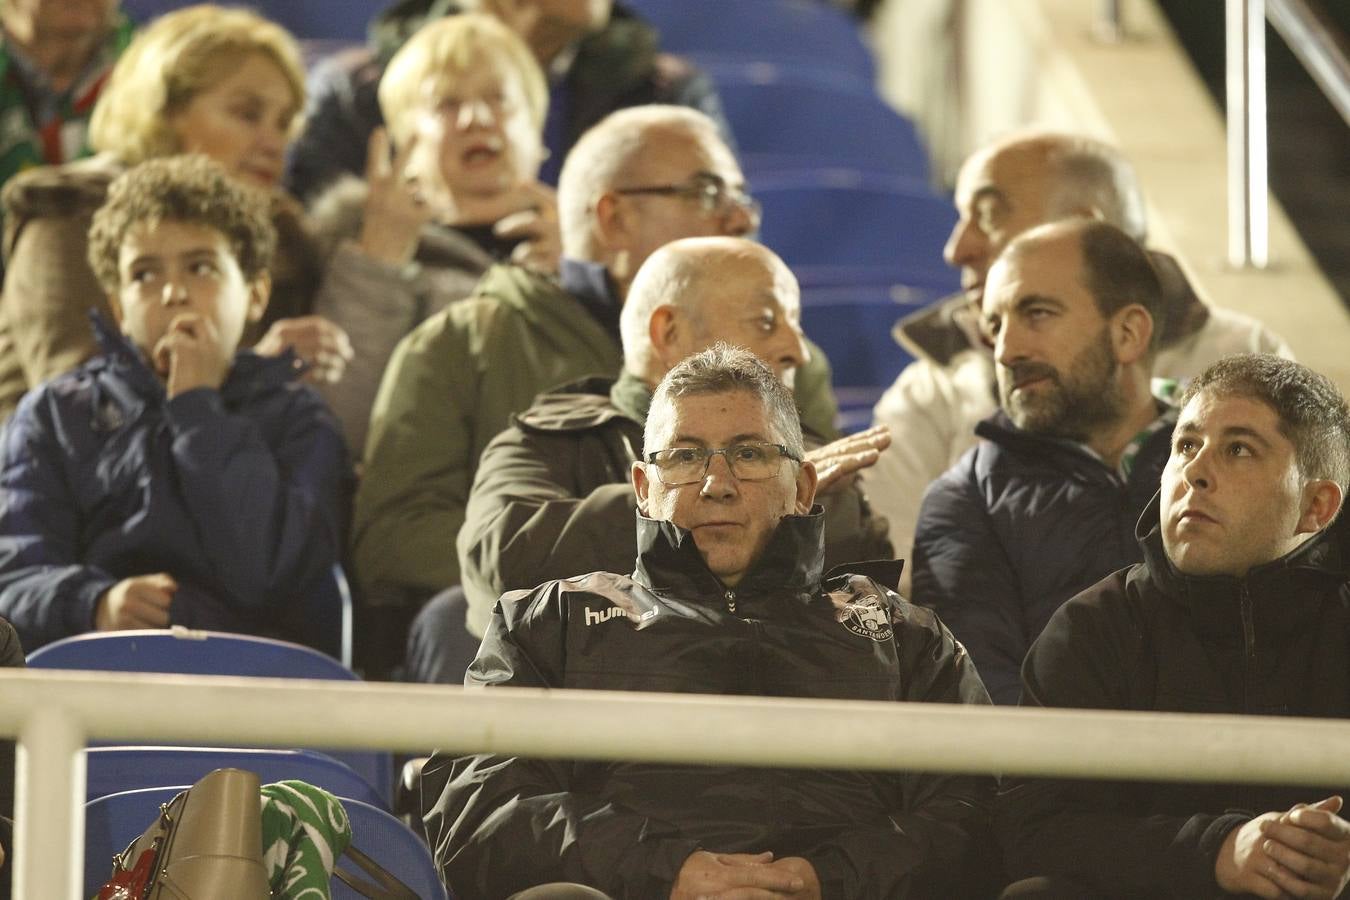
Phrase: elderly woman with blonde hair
pixel 224 83
pixel 465 104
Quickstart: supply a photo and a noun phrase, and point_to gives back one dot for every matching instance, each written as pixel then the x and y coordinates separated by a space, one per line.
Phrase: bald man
pixel 551 497
pixel 640 179
pixel 1045 505
pixel 1003 190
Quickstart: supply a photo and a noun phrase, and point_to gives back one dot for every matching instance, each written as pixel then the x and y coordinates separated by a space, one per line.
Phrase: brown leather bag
pixel 205 845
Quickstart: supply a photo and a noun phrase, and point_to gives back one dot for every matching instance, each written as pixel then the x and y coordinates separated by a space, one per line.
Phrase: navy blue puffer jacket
pixel 236 493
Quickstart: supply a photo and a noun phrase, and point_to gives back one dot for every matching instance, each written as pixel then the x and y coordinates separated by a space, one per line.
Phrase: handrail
pixel 1318 44
pixel 1315 40
pixel 55 713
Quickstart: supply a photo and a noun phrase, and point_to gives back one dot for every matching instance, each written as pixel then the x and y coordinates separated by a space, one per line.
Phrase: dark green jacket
pixel 450 387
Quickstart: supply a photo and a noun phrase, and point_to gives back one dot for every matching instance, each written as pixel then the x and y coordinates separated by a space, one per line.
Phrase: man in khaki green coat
pixel 640 179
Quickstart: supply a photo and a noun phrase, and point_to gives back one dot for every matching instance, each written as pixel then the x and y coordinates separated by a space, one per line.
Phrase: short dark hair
pixel 1313 414
pixel 188 189
pixel 1118 273
pixel 721 369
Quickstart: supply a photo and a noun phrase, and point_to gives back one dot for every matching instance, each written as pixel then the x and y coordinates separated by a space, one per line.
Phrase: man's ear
pixel 611 223
pixel 664 331
pixel 640 485
pixel 806 487
pixel 1321 501
pixel 1131 333
pixel 115 305
pixel 259 292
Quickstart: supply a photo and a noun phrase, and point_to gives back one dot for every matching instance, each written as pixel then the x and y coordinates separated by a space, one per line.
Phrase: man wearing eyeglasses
pixel 641 178
pixel 727 597
pixel 550 497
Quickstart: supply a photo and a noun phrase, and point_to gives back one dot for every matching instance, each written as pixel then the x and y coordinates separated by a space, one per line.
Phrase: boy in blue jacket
pixel 173 479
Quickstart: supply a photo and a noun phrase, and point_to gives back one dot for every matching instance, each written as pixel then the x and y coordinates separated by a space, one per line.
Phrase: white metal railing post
pixel 1248 213
pixel 49 806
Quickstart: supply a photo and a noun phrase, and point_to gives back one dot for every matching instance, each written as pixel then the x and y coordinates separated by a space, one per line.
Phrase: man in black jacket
pixel 551 497
pixel 728 597
pixel 1240 606
pixel 1045 505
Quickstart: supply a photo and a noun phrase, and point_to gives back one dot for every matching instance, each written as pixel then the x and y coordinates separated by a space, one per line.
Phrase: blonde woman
pixel 221 82
pixel 465 104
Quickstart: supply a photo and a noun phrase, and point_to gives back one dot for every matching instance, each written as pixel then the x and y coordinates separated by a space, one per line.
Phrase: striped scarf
pixel 304 831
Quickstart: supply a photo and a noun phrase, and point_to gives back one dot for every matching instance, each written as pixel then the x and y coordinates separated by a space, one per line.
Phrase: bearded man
pixel 1045 505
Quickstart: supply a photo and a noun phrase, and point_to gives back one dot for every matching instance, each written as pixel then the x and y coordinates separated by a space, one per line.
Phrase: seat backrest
pixel 113 770
pixel 329 19
pixel 807 31
pixel 182 652
pixel 113 821
pixel 791 121
pixel 394 846
pixel 853 220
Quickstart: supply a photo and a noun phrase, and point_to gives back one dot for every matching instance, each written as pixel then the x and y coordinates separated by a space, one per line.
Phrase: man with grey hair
pixel 1004 189
pixel 727 597
pixel 551 498
pixel 640 179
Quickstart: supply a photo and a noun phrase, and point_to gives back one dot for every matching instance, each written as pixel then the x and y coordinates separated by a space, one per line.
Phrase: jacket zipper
pixel 731 602
pixel 1249 644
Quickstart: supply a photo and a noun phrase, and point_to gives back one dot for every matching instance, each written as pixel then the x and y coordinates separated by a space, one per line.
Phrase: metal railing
pixel 1314 40
pixel 54 715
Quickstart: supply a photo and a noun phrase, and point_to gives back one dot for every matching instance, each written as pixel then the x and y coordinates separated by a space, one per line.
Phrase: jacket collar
pixel 592 285
pixel 999 429
pixel 136 383
pixel 1284 595
pixel 669 561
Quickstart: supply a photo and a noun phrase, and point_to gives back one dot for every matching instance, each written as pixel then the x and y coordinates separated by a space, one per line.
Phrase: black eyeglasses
pixel 751 461
pixel 715 197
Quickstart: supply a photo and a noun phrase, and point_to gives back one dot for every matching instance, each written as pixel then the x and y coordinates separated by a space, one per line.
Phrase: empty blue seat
pixel 113 821
pixel 787 121
pixel 327 19
pixel 848 227
pixel 112 770
pixel 182 652
pixel 853 324
pixel 803 31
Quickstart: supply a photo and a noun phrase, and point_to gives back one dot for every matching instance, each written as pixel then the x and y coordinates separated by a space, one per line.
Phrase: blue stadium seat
pixel 113 770
pixel 848 227
pixel 113 821
pixel 789 31
pixel 853 325
pixel 183 652
pixel 328 19
pixel 797 121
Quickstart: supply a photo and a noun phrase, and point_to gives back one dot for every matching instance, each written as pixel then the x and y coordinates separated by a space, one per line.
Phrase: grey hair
pixel 1313 414
pixel 722 369
pixel 606 154
pixel 1092 173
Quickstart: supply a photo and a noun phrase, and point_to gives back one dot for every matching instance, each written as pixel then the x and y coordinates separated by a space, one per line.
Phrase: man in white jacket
pixel 1004 189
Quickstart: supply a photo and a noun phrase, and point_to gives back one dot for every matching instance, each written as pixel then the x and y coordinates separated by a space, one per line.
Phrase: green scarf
pixel 304 831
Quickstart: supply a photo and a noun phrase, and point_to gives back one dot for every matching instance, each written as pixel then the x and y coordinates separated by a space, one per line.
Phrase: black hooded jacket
pixel 498 825
pixel 1276 642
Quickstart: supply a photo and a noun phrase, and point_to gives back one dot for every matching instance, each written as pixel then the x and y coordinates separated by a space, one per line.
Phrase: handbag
pixel 206 844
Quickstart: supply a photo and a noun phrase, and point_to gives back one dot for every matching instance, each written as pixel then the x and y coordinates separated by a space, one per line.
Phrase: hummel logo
pixel 595 618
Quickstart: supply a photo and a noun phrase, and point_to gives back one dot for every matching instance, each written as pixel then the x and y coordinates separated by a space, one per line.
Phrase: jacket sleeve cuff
pixel 194 407
pixel 80 613
pixel 1195 850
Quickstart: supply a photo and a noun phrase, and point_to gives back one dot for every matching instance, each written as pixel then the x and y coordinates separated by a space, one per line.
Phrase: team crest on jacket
pixel 865 615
